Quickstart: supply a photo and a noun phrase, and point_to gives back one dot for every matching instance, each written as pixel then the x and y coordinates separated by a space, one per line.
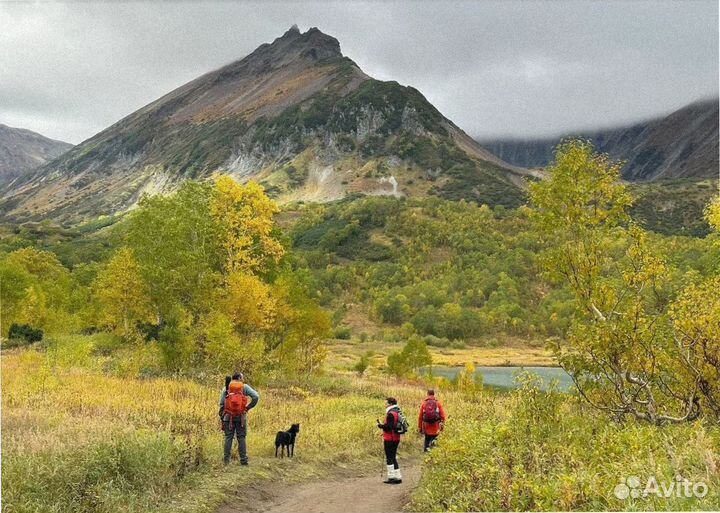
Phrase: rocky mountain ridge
pixel 295 115
pixel 23 150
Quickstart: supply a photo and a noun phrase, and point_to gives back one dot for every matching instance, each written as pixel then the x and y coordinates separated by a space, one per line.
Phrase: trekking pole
pixel 382 469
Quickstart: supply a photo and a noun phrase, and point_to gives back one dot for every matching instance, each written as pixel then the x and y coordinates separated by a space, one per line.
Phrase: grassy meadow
pixel 114 352
pixel 77 438
pixel 345 353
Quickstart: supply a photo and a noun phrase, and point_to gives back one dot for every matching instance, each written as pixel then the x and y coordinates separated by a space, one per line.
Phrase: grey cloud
pixel 508 68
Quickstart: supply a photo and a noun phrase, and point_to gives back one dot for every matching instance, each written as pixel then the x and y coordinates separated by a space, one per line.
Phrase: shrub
pixel 25 332
pixel 342 332
pixel 363 363
pixel 433 341
pixel 458 344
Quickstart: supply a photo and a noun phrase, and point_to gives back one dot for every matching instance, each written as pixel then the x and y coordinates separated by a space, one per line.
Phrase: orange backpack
pixel 235 400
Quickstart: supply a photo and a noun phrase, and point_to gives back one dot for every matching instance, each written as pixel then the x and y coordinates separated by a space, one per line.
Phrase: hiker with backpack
pixel 431 419
pixel 234 407
pixel 394 426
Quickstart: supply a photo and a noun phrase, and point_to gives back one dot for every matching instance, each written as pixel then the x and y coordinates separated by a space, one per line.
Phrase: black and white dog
pixel 286 440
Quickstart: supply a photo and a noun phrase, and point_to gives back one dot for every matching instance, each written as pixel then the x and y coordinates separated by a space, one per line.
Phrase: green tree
pixel 392 308
pixel 36 289
pixel 303 348
pixel 416 353
pixel 14 283
pixel 413 356
pixel 226 349
pixel 397 364
pixel 176 243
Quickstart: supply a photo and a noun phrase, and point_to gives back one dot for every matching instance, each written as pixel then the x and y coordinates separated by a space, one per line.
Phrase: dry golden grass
pixel 344 354
pixel 77 440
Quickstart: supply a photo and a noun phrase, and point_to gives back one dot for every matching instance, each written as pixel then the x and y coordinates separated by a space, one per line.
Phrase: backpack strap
pixel 395 413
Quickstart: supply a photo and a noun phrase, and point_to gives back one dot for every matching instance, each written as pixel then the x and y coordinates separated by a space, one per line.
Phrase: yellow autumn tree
pixel 696 321
pixel 618 350
pixel 304 347
pixel 468 382
pixel 34 307
pixel 245 216
pixel 712 213
pixel 226 350
pixel 249 302
pixel 121 295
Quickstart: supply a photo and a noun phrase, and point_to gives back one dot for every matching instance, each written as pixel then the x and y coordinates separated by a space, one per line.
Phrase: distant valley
pixel 683 144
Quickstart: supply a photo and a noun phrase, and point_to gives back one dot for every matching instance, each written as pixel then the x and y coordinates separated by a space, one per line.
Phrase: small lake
pixel 504 377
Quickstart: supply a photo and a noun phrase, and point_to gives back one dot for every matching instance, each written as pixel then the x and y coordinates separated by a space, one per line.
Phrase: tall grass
pixel 77 440
pixel 537 451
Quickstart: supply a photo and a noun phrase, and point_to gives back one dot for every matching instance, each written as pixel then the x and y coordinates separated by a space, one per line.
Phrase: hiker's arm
pixel 420 421
pixel 254 396
pixel 442 412
pixel 389 423
pixel 221 403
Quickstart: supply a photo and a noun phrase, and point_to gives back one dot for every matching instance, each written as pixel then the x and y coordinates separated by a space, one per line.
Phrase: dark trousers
pixel 391 453
pixel 429 439
pixel 235 427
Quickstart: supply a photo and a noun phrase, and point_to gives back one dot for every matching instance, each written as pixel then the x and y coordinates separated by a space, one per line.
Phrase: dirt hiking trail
pixel 365 494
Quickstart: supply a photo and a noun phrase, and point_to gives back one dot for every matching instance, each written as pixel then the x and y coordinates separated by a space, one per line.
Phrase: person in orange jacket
pixel 431 419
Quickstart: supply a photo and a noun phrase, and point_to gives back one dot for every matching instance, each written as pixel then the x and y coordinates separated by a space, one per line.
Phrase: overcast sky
pixel 528 68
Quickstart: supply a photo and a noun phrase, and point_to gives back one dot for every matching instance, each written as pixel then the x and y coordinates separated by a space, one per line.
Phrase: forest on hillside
pixel 452 273
pixel 217 277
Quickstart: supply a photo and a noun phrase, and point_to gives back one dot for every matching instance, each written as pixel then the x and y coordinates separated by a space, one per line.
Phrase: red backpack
pixel 431 411
pixel 235 400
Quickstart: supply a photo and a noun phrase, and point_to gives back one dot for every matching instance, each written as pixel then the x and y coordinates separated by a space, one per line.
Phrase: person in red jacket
pixel 391 440
pixel 431 419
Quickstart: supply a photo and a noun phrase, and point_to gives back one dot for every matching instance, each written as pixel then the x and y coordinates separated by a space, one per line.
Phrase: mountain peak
pixel 295 115
pixel 314 44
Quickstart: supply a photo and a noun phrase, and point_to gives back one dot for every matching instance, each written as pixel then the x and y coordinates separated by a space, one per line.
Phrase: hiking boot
pixel 244 463
pixel 395 477
pixel 390 475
